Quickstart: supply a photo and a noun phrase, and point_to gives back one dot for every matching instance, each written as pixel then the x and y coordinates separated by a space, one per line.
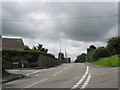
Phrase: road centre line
pixel 86 82
pixel 67 67
pixel 36 83
pixel 57 73
pixel 43 79
pixel 81 80
pixel 43 70
pixel 61 70
pixel 35 72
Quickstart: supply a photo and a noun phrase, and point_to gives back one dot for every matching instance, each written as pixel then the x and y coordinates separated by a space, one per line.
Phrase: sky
pixel 76 24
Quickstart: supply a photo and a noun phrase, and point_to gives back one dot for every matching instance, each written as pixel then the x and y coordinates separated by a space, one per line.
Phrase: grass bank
pixel 112 61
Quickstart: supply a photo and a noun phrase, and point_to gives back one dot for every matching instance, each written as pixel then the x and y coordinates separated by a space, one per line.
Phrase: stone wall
pixel 47 61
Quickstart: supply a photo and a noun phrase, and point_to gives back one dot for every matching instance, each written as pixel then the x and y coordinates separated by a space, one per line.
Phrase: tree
pixel 88 58
pixel 69 59
pixel 81 58
pixel 89 52
pixel 113 45
pixel 46 50
pixel 42 49
pixel 39 47
pixel 61 55
pixel 34 48
pixel 91 47
pixel 99 53
pixel 26 47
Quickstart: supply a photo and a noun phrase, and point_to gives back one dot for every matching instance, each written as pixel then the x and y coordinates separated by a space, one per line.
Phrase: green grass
pixel 112 61
pixel 4 73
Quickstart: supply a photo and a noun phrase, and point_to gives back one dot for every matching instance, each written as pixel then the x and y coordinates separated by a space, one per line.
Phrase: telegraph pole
pixel 65 54
pixel 60 49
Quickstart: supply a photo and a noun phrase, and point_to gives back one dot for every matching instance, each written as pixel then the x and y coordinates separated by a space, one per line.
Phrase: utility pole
pixel 65 54
pixel 60 49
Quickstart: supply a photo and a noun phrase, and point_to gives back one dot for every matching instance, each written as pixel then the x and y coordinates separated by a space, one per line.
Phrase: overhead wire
pixel 57 19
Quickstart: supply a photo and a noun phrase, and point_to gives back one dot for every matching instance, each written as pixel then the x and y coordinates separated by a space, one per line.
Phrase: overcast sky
pixel 77 25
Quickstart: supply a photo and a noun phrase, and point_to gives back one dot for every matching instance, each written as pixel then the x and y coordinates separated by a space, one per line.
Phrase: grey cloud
pixel 91 29
pixel 56 9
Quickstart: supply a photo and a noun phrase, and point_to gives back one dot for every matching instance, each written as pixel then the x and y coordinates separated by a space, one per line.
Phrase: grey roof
pixel 12 43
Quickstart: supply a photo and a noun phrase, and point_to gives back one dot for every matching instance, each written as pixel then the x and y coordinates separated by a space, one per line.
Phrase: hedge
pixel 25 52
pixel 9 56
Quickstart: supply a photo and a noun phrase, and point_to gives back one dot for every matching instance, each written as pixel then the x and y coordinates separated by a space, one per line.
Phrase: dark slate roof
pixel 12 43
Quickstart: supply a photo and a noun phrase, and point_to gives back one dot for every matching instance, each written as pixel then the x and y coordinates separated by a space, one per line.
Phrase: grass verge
pixel 112 61
pixel 5 73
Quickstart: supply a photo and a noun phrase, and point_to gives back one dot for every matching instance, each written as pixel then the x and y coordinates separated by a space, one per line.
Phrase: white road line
pixel 35 72
pixel 57 73
pixel 61 70
pixel 86 82
pixel 67 67
pixel 81 80
pixel 36 83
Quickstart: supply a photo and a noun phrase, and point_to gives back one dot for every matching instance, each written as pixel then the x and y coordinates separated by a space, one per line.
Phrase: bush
pixel 26 47
pixel 99 53
pixel 51 55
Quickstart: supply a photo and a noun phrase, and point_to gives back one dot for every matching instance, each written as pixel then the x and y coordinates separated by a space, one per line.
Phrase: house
pixel 12 43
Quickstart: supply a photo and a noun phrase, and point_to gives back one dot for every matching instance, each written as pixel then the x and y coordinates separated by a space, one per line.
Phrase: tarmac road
pixel 72 76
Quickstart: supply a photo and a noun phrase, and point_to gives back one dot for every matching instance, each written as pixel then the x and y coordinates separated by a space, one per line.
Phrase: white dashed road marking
pixel 67 67
pixel 35 72
pixel 36 83
pixel 57 73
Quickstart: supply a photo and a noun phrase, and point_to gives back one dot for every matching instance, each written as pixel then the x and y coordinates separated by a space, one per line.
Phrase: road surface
pixel 72 76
